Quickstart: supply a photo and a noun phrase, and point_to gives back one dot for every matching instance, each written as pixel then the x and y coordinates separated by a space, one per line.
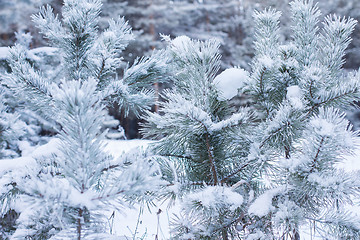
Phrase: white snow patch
pixel 47 150
pixel 25 147
pixel 4 53
pixel 351 162
pixel 229 81
pixel 7 165
pixel 76 198
pixel 215 196
pixel 263 204
pixel 180 42
pixel 117 147
pixel 111 123
pixel 50 51
pixel 326 181
pixel 266 61
pixel 322 126
pixel 115 135
pixel 294 96
pixel 232 121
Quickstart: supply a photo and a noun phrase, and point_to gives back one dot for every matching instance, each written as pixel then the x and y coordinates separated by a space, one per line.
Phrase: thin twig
pixel 211 159
pixel 317 154
pixel 233 173
pixel 79 223
pixel 208 148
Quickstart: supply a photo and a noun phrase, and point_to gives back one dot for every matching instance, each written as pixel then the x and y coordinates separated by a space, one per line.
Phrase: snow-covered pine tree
pixel 198 140
pixel 267 172
pixel 64 197
pixel 299 88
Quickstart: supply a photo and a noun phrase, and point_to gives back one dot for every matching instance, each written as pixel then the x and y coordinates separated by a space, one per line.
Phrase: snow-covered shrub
pixel 280 156
pixel 64 196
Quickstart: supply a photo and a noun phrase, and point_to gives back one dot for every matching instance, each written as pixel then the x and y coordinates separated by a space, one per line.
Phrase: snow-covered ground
pixel 150 225
pixel 140 222
pixel 129 224
pixel 132 224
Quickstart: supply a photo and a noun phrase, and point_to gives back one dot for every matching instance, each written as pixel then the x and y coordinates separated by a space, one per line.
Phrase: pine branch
pixel 178 156
pixel 233 222
pixel 317 154
pixel 310 89
pixel 273 133
pixel 330 100
pixel 209 152
pixel 239 169
pixel 105 197
pixel 211 160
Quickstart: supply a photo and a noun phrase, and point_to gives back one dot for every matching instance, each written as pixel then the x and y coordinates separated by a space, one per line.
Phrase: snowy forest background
pixel 240 110
pixel 230 22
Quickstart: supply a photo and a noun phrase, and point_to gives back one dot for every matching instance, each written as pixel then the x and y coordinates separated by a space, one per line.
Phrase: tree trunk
pixel 79 224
